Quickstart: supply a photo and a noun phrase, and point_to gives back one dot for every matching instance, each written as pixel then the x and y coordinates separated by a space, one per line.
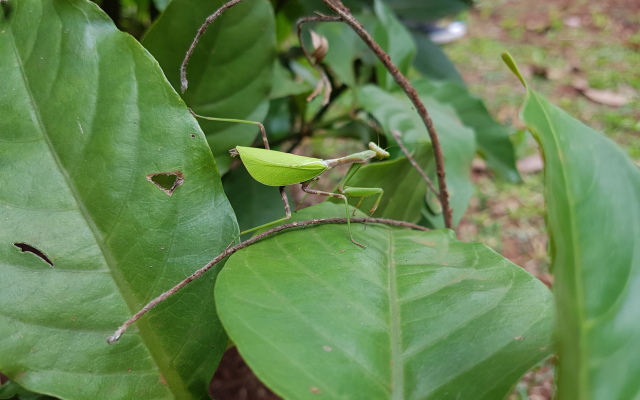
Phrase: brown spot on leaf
pixel 27 248
pixel 167 181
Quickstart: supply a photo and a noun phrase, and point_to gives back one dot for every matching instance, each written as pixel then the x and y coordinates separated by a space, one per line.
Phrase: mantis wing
pixel 274 168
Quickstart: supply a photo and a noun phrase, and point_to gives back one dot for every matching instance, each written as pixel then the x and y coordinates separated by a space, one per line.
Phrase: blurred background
pixel 585 57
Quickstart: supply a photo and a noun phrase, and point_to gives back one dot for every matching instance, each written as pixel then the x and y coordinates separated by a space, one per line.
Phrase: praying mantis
pixel 275 168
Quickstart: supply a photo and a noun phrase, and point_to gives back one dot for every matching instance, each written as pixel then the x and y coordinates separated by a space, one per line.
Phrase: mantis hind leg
pixel 306 189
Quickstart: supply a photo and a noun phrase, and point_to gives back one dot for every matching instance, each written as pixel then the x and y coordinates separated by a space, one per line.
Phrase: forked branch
pixel 230 250
pixel 348 18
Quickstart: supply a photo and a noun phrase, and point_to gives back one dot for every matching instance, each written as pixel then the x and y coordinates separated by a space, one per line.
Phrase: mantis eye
pixel 380 152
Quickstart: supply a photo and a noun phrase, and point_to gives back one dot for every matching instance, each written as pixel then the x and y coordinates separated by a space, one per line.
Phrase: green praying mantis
pixel 275 168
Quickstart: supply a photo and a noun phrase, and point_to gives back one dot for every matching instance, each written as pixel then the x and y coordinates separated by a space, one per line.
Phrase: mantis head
pixel 380 152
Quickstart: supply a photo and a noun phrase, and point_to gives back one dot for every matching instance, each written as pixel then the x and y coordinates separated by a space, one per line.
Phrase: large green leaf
pixel 415 315
pixel 230 72
pixel 86 115
pixel 394 111
pixel 343 51
pixel 592 191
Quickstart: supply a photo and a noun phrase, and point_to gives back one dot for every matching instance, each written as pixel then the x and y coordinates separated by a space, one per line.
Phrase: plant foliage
pixel 112 194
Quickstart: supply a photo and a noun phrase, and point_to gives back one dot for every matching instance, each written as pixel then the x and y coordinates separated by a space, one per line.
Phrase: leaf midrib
pixel 579 299
pixel 395 328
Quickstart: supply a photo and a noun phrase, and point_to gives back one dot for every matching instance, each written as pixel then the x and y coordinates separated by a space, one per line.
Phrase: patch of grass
pixel 509 219
pixel 594 50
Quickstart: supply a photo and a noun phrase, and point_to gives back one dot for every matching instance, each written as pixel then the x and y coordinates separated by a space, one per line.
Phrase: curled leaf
pixel 320 47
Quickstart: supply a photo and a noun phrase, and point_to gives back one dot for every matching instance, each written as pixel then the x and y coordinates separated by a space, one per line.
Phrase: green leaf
pixel 415 315
pixel 13 391
pixel 87 115
pixel 279 121
pixel 396 41
pixel 161 4
pixel 345 47
pixel 492 139
pixel 230 72
pixel 285 84
pixel 431 61
pixel 395 112
pixel 592 192
pixel 343 50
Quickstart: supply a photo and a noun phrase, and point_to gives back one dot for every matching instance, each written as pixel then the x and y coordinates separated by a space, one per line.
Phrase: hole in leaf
pixel 193 135
pixel 27 248
pixel 167 181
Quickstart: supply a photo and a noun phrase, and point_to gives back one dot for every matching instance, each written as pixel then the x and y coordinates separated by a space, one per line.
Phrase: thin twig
pixel 345 14
pixel 229 251
pixel 183 68
pixel 413 162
